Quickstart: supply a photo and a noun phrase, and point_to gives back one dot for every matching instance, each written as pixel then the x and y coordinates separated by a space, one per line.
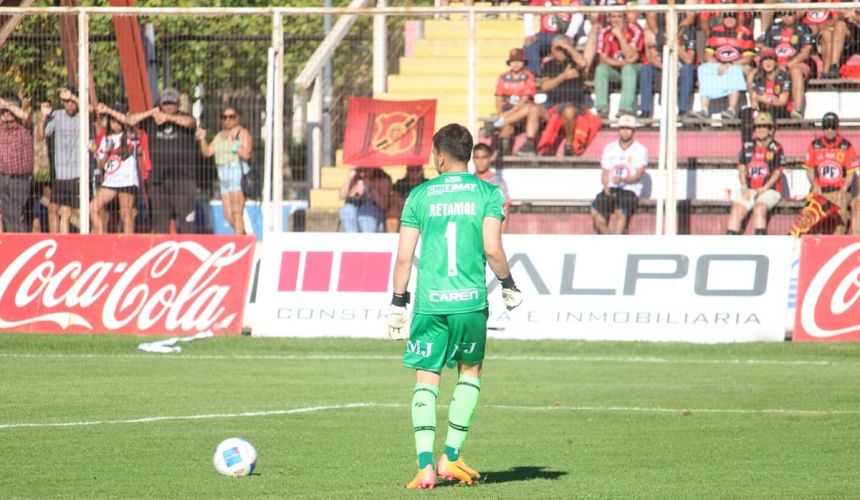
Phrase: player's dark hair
pixel 482 147
pixel 455 140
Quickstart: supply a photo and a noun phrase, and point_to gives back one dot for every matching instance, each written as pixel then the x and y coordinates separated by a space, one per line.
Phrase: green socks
pixel 424 422
pixel 460 414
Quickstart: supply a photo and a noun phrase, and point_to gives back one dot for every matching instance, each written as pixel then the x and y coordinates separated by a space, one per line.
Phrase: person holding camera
pixel 367 195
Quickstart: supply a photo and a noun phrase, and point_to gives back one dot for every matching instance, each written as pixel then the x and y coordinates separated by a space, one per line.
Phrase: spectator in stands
pixel 118 156
pixel 831 32
pixel 16 164
pixel 792 43
pixel 710 20
pixel 760 167
pixel 831 165
pixel 231 148
pixel 561 79
pixel 688 61
pixel 769 86
pixel 414 176
pixel 367 196
pixel 623 164
pixel 729 51
pixel 537 45
pixel 481 156
pixel 515 90
pixel 174 161
pixel 63 127
pixel 620 47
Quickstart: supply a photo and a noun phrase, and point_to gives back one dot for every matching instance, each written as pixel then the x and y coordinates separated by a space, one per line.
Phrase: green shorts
pixel 444 339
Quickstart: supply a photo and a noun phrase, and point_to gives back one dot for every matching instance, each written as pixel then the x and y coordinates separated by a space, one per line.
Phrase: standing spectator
pixel 367 196
pixel 561 79
pixel 536 45
pixel 831 32
pixel 117 157
pixel 831 164
pixel 515 90
pixel 623 164
pixel 414 176
pixel 63 127
pixel 620 46
pixel 792 42
pixel 16 164
pixel 729 51
pixel 481 156
pixel 174 161
pixel 231 148
pixel 760 166
pixel 769 86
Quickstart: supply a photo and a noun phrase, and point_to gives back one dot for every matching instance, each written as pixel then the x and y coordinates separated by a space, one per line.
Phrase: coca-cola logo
pixel 174 285
pixel 831 305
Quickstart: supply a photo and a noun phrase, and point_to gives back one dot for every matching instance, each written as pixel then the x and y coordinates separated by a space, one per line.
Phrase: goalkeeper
pixel 458 218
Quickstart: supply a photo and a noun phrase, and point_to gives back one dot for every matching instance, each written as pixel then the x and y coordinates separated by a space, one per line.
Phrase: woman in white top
pixel 231 148
pixel 117 159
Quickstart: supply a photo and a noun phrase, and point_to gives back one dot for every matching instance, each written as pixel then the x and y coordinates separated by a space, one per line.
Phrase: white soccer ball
pixel 235 457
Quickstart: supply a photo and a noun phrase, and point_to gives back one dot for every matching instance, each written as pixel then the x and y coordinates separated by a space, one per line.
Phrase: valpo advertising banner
pixel 828 290
pixel 139 284
pixel 691 289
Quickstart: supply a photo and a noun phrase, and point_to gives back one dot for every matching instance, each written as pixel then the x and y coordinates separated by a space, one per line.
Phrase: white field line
pixel 375 357
pixel 350 406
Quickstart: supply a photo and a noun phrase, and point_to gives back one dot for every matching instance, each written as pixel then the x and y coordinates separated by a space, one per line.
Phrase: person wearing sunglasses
pixel 16 164
pixel 831 164
pixel 231 148
pixel 173 189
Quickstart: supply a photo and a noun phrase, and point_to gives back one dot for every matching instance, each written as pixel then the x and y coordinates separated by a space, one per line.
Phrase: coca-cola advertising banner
pixel 134 285
pixel 828 290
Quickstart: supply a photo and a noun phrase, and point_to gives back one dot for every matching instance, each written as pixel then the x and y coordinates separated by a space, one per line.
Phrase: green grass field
pixel 93 417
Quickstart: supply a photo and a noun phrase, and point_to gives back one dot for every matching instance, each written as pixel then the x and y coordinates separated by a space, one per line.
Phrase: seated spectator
pixel 367 196
pixel 623 164
pixel 118 157
pixel 481 156
pixel 688 61
pixel 620 46
pixel 537 44
pixel 830 31
pixel 652 66
pixel 710 20
pixel 729 51
pixel 792 43
pixel 561 79
pixel 515 92
pixel 831 165
pixel 760 166
pixel 769 87
pixel 414 176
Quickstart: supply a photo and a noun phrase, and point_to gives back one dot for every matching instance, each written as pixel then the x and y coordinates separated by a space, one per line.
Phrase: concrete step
pixel 488 50
pixel 485 29
pixel 334 177
pixel 437 67
pixel 317 220
pixel 452 85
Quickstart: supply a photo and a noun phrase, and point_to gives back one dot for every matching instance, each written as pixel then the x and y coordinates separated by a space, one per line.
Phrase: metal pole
pixel 380 51
pixel 661 158
pixel 84 120
pixel 327 99
pixel 671 101
pixel 268 166
pixel 278 122
pixel 471 105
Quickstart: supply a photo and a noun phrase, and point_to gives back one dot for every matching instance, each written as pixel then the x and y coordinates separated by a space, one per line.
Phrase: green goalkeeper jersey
pixel 449 212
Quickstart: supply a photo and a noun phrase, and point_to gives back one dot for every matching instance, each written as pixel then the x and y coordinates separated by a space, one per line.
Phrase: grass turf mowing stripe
pixel 350 406
pixel 322 357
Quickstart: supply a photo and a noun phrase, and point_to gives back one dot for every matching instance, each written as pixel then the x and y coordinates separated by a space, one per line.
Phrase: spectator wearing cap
pixel 173 150
pixel 760 167
pixel 561 79
pixel 831 165
pixel 620 46
pixel 515 90
pixel 622 166
pixel 538 43
pixel 831 31
pixel 729 51
pixel 792 43
pixel 16 164
pixel 769 86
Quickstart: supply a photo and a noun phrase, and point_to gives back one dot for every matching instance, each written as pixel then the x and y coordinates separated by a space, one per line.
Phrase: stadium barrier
pixel 704 289
pixel 132 285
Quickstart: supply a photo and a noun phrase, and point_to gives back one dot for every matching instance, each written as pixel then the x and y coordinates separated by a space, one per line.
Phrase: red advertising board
pixel 828 290
pixel 139 284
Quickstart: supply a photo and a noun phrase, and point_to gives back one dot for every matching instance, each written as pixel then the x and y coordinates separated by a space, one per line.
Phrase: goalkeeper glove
pixel 511 295
pixel 397 317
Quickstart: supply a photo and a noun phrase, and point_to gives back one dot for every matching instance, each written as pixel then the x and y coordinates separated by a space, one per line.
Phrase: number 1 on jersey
pixel 451 239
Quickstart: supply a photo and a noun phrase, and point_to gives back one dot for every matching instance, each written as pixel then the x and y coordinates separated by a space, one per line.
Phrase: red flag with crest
pixel 380 133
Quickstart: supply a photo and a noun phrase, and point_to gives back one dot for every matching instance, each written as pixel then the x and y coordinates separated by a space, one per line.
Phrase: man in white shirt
pixel 623 164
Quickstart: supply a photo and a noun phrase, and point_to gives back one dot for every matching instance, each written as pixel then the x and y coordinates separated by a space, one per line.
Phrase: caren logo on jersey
pixel 829 290
pixel 312 271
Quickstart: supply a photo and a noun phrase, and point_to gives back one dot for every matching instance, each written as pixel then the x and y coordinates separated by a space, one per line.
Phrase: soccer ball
pixel 235 457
